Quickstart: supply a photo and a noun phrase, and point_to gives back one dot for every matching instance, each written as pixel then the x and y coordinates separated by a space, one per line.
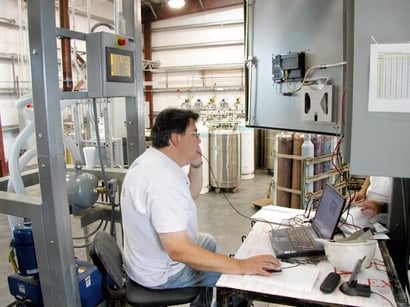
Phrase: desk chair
pixel 107 257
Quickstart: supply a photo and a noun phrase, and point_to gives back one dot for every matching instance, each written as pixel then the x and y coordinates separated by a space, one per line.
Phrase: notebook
pixel 285 240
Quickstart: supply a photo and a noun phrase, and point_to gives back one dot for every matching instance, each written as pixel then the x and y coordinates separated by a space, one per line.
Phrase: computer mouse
pixel 269 270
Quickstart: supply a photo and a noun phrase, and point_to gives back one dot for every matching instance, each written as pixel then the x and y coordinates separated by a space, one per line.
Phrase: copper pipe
pixel 148 74
pixel 4 171
pixel 66 47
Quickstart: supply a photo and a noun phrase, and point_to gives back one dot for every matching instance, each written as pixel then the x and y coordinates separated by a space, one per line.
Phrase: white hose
pixel 23 161
pixel 15 175
pixel 18 163
pixel 15 181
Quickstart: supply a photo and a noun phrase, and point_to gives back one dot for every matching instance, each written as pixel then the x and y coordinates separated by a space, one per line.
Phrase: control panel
pixel 110 65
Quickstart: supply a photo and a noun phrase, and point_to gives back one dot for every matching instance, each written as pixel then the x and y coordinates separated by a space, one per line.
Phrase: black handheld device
pixel 353 288
pixel 330 283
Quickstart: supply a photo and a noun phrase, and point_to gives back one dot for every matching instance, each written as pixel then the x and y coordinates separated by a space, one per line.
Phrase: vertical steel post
pixel 135 121
pixel 54 247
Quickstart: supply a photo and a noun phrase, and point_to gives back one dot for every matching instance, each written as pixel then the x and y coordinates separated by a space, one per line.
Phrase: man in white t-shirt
pixel 162 245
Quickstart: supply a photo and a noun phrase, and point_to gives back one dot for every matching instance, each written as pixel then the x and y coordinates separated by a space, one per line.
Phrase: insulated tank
pixel 204 145
pixel 270 149
pixel 247 152
pixel 224 158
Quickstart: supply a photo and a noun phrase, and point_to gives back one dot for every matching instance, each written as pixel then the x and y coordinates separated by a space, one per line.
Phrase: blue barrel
pixel 24 246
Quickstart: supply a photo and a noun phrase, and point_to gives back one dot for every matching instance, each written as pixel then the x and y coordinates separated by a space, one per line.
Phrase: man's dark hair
pixel 169 121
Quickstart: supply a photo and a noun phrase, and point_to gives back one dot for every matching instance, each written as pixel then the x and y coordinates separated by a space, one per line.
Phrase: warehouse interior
pixel 288 96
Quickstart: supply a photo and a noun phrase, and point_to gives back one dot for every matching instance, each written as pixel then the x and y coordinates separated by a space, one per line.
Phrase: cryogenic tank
pixel 224 158
pixel 204 145
pixel 270 149
pixel 247 152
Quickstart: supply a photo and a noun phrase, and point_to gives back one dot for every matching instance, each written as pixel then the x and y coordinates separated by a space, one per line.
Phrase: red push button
pixel 121 41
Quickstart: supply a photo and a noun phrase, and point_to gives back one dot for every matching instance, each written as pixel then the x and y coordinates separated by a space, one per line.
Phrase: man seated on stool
pixel 162 245
pixel 374 196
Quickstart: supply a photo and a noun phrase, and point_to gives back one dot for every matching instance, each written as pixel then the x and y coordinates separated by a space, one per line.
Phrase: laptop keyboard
pixel 300 238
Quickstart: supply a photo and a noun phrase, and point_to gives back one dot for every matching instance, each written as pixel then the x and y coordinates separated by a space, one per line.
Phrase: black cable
pixel 295 261
pixel 97 135
pixel 91 233
pixel 226 197
pixel 283 222
pixel 82 246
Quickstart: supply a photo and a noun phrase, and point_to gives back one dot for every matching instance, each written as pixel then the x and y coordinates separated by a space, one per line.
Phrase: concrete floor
pixel 226 220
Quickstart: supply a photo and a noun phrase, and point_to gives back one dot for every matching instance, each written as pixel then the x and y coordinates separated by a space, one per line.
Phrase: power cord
pixel 223 193
pixel 297 220
pixel 91 233
pixel 112 202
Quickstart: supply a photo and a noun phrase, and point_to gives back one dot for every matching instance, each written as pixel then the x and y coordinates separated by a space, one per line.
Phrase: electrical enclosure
pixel 110 65
pixel 284 39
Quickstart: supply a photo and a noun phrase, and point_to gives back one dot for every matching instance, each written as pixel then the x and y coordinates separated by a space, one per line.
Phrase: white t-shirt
pixel 380 189
pixel 155 198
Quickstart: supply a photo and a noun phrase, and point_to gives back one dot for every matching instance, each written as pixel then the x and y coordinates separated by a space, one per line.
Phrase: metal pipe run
pixel 66 47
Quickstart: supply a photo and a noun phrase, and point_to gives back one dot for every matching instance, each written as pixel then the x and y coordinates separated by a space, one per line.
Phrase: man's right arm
pixel 181 249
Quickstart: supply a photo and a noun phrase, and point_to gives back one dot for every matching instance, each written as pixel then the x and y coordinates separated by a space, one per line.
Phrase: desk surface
pixel 302 282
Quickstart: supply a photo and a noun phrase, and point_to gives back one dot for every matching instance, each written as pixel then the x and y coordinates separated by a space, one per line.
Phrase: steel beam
pixel 54 248
pixel 134 105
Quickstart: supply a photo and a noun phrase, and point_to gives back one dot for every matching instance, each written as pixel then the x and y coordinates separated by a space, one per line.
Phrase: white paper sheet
pixel 389 78
pixel 277 214
pixel 303 281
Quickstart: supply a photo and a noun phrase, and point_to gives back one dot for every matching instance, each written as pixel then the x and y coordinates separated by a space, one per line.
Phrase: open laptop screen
pixel 328 212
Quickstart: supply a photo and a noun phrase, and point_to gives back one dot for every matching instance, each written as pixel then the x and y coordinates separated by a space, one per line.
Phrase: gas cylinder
pixel 308 151
pixel 283 168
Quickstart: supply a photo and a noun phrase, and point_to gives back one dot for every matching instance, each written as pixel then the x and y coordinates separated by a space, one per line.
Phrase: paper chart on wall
pixel 389 78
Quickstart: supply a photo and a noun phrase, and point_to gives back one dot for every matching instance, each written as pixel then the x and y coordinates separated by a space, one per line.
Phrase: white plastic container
pixel 90 155
pixel 308 151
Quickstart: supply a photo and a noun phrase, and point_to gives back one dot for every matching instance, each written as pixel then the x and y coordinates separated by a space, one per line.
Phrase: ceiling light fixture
pixel 176 4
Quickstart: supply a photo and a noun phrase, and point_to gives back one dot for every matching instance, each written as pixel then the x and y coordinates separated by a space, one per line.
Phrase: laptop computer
pixel 285 240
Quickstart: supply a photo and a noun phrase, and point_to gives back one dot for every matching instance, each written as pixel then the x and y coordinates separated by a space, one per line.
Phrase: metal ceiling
pixel 153 10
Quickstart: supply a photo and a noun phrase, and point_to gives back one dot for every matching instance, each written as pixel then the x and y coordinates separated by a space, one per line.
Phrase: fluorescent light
pixel 176 4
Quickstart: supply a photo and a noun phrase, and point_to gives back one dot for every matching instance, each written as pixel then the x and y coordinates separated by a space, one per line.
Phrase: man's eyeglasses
pixel 193 134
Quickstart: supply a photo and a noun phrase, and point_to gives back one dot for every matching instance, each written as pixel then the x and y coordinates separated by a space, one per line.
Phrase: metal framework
pixel 50 213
